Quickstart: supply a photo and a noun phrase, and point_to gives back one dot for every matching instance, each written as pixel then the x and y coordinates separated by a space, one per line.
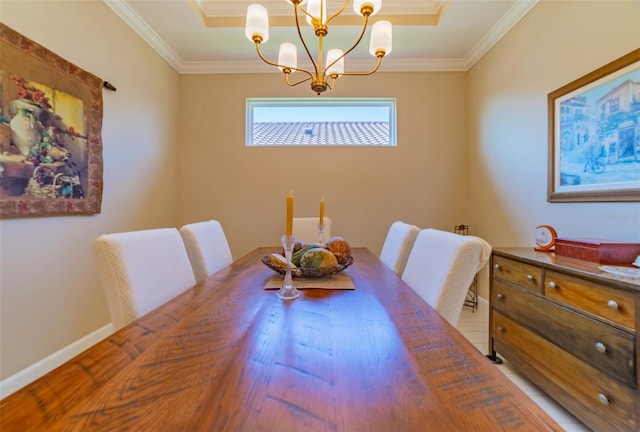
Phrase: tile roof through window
pixel 329 133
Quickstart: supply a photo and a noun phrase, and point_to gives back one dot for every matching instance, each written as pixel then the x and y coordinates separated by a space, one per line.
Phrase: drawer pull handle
pixel 496 266
pixel 601 347
pixel 500 296
pixel 500 329
pixel 530 277
pixel 603 399
pixel 613 305
pixel 552 284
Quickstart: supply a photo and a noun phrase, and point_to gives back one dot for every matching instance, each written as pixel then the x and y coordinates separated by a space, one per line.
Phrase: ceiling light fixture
pixel 257 31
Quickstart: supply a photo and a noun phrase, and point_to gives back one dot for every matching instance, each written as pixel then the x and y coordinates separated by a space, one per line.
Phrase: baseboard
pixel 29 374
pixel 483 304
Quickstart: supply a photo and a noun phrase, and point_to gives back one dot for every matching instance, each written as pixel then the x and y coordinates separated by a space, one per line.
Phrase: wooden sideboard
pixel 572 330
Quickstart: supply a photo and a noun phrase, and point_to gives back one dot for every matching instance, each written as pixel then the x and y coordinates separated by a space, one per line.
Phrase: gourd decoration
pixel 313 260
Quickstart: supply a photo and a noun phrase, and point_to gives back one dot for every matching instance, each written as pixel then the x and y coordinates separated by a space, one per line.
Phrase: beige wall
pixel 422 180
pixel 557 42
pixel 49 292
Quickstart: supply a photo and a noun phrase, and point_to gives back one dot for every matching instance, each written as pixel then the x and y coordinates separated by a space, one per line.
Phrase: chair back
pixel 207 248
pixel 442 266
pixel 141 270
pixel 397 245
pixel 305 229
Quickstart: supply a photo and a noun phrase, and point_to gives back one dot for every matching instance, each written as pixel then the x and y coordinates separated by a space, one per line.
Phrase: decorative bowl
pixel 310 273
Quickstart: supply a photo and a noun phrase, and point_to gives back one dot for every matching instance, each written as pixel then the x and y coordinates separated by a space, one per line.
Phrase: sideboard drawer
pixel 525 275
pixel 605 347
pixel 597 393
pixel 615 305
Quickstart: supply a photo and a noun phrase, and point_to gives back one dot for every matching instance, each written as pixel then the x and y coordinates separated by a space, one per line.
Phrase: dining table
pixel 229 355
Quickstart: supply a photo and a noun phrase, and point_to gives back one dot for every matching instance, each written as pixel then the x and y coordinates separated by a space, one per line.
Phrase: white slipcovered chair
pixel 441 267
pixel 305 229
pixel 141 270
pixel 397 245
pixel 207 248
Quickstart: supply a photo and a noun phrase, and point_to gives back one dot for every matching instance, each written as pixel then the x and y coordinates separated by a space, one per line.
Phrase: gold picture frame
pixel 594 135
pixel 50 132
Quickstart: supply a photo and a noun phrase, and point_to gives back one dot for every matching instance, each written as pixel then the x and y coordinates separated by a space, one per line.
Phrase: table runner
pixel 340 281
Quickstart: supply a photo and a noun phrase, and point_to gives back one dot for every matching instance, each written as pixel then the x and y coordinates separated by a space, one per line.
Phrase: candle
pixel 322 211
pixel 289 215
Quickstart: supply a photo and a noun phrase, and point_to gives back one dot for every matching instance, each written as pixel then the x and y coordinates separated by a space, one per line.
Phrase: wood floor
pixel 474 326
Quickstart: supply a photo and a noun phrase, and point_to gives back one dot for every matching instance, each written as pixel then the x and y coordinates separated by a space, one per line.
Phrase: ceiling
pixel 207 36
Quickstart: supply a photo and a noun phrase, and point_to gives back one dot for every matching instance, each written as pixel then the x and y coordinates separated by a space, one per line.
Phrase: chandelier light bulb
pixel 257 23
pixel 288 56
pixel 313 7
pixel 381 38
pixel 338 68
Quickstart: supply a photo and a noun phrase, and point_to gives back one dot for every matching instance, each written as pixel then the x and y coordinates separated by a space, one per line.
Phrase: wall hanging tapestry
pixel 50 132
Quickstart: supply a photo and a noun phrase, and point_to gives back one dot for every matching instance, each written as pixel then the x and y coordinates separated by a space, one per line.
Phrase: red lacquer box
pixel 598 250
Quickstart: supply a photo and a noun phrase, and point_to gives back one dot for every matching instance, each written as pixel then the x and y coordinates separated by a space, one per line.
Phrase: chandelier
pixel 324 75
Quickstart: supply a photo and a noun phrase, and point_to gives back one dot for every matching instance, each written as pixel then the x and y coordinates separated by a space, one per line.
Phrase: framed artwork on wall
pixel 594 135
pixel 50 132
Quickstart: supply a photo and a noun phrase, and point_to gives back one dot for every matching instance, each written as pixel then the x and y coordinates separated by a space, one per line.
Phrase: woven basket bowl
pixel 308 273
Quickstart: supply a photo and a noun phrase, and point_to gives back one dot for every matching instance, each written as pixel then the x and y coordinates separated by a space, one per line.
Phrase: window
pixel 321 122
pixel 614 105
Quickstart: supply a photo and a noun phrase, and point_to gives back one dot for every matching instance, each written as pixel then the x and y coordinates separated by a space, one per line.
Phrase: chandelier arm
pixel 279 65
pixel 366 73
pixel 290 84
pixel 304 44
pixel 364 29
pixel 303 70
pixel 333 82
pixel 346 2
pixel 304 11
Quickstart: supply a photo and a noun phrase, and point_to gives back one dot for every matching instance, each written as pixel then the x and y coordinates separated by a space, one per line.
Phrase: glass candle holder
pixel 321 233
pixel 287 291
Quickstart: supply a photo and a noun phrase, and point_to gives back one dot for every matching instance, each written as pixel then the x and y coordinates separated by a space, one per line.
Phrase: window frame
pixel 253 103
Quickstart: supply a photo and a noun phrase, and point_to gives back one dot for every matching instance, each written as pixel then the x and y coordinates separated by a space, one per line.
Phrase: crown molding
pixel 502 27
pixel 133 20
pixel 395 65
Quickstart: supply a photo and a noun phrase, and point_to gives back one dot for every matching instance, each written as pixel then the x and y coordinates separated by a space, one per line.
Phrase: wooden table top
pixel 228 355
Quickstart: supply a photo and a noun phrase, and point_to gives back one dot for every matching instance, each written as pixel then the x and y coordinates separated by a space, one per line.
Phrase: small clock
pixel 545 237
